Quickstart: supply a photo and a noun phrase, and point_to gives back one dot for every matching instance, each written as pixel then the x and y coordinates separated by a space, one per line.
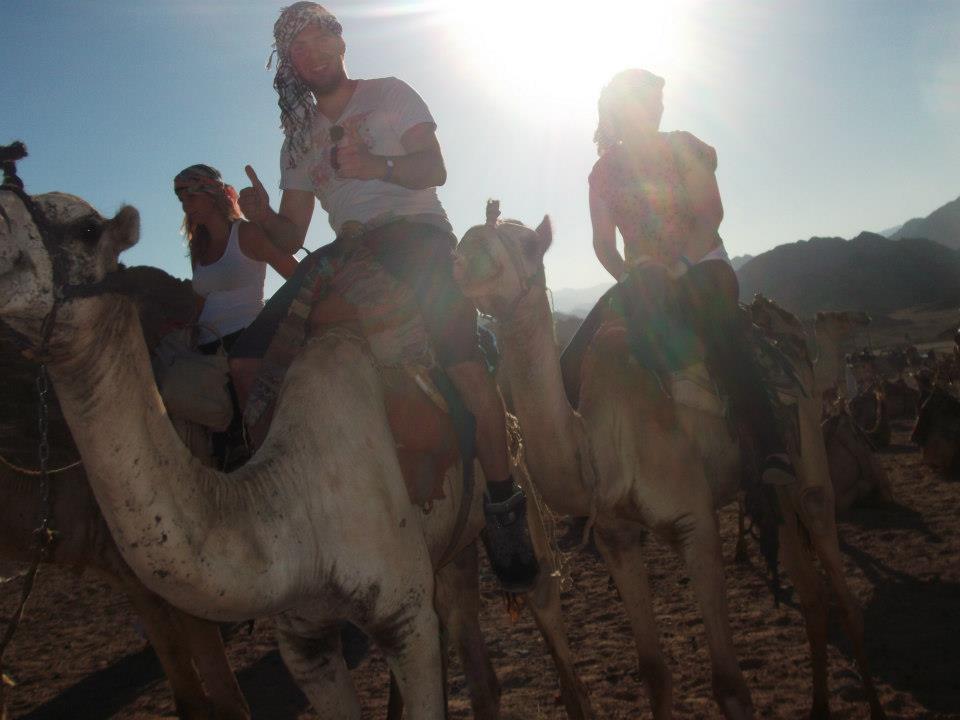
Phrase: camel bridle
pixel 537 279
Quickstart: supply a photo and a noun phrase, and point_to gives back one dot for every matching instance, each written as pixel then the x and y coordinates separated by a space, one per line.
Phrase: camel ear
pixel 545 234
pixel 123 230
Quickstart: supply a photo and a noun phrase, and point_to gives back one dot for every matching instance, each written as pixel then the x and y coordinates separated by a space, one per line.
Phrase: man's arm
pixel 420 168
pixel 605 237
pixel 287 228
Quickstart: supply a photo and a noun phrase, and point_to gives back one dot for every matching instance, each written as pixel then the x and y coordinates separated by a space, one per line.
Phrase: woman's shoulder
pixel 606 169
pixel 689 146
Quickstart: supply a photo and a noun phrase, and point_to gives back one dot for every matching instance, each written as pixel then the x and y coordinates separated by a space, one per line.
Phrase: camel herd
pixel 317 528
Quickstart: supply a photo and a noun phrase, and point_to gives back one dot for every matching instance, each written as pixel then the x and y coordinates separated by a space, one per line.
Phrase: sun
pixel 546 49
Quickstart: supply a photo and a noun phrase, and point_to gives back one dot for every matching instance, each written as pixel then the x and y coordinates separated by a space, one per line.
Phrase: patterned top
pixel 663 197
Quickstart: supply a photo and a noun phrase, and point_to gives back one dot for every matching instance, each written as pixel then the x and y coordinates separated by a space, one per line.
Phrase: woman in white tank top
pixel 229 256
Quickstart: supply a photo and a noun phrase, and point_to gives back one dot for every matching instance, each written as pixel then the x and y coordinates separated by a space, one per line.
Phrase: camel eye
pixel 89 231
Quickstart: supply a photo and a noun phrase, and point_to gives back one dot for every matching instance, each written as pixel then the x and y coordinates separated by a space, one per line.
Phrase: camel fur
pixel 190 650
pixel 315 529
pixel 632 460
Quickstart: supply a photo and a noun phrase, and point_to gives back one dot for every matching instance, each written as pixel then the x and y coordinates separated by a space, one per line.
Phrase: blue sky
pixel 828 117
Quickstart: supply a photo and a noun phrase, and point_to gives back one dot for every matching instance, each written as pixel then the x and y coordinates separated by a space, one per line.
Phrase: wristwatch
pixel 389 173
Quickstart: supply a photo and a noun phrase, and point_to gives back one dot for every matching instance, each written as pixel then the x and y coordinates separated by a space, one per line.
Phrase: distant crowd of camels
pixel 317 528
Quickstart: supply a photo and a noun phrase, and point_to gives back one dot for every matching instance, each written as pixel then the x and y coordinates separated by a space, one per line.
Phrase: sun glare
pixel 563 52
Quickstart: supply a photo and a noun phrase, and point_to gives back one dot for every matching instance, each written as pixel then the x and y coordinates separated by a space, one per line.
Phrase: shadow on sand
pixel 913 639
pixel 266 684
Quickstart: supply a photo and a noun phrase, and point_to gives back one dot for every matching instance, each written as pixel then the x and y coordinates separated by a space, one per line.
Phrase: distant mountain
pixel 890 232
pixel 942 226
pixel 578 301
pixel 740 260
pixel 870 272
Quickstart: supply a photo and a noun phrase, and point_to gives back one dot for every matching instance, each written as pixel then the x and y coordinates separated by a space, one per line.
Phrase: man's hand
pixel 358 163
pixel 254 201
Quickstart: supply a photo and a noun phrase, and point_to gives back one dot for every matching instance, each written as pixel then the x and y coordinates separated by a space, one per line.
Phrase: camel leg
pixel 740 551
pixel 206 646
pixel 189 697
pixel 413 653
pixel 816 510
pixel 544 604
pixel 619 543
pixel 317 666
pixel 799 566
pixel 458 604
pixel 696 538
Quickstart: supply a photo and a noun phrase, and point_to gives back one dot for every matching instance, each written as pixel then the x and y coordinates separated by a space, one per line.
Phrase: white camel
pixel 633 459
pixel 316 529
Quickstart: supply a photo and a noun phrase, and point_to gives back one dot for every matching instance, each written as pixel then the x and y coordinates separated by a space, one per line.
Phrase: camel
pixel 316 529
pixel 831 329
pixel 937 430
pixel 855 472
pixel 870 412
pixel 184 644
pixel 189 649
pixel 632 460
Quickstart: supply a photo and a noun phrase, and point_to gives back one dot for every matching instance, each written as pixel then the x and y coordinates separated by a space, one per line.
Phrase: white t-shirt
pixel 378 114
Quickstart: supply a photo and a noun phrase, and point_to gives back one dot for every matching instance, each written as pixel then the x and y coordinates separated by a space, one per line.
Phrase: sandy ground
pixel 78 653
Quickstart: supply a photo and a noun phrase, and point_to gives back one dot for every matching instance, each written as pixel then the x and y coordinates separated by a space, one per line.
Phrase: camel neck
pixel 160 503
pixel 827 362
pixel 531 361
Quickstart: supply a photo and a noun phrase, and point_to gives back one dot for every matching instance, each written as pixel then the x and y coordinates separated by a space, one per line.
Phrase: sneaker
pixel 506 538
pixel 778 471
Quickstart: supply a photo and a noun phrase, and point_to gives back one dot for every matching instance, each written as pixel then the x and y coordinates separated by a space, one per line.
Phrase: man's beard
pixel 328 86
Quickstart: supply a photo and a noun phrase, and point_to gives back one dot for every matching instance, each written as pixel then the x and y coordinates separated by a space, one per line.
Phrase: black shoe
pixel 778 472
pixel 507 541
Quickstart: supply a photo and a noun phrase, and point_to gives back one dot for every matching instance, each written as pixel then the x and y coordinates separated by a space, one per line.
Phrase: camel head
pixel 775 320
pixel 497 264
pixel 53 248
pixel 840 323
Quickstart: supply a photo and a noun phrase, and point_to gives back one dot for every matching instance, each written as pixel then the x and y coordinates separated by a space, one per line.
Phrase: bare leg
pixel 483 400
pixel 621 549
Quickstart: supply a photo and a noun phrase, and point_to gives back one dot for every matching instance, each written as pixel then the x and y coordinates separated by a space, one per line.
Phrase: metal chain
pixel 43 532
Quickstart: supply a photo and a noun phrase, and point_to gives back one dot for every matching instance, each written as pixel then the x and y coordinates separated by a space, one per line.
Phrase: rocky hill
pixel 870 272
pixel 942 226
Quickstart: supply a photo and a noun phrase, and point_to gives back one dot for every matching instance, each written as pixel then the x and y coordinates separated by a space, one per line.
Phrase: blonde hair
pixel 207 179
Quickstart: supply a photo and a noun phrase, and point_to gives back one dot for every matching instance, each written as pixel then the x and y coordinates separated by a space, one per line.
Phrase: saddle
pixel 431 427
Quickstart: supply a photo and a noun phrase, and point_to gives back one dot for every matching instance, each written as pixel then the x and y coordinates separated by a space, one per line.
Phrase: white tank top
pixel 232 289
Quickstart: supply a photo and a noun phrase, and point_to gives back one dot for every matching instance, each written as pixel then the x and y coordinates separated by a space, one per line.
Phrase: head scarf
pixel 298 107
pixel 202 178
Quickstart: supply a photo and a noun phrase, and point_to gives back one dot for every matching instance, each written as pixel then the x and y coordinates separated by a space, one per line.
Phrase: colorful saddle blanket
pixel 431 427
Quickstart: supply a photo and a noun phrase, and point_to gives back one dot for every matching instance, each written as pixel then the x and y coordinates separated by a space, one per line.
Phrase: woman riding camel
pixel 659 189
pixel 229 258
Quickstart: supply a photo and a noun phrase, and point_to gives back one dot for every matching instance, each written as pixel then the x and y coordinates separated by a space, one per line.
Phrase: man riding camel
pixel 368 151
